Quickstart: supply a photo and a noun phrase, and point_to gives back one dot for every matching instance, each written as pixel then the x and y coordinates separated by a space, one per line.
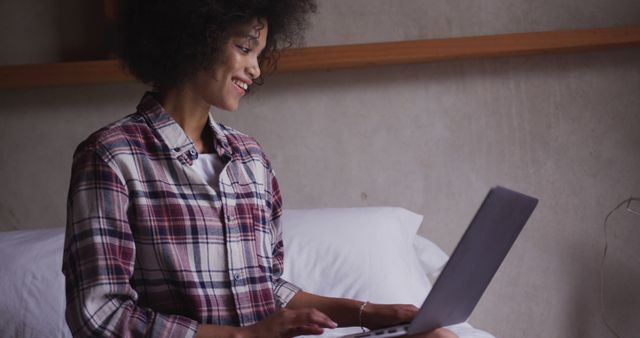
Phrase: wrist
pixel 243 332
pixel 369 315
pixel 362 313
pixel 206 331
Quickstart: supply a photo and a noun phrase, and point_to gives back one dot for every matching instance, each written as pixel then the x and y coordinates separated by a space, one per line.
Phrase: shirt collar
pixel 173 135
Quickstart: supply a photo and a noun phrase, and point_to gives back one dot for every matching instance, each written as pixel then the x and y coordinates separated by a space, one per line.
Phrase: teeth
pixel 241 84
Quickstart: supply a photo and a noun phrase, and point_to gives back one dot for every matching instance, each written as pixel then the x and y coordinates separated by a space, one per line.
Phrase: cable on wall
pixel 628 208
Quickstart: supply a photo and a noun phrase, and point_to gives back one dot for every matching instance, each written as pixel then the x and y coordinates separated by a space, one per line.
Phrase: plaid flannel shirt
pixel 143 229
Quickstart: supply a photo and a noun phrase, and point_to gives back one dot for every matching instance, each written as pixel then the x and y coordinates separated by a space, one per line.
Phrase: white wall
pixel 432 138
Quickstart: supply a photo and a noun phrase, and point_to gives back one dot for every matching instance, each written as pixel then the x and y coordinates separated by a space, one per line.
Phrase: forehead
pixel 253 30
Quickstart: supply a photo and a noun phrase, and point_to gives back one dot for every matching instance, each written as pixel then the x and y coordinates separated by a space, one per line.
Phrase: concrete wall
pixel 432 138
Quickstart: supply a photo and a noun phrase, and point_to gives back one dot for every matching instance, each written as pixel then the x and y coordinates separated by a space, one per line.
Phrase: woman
pixel 173 219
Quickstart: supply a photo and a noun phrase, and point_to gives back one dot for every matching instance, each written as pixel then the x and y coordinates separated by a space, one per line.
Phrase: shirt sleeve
pixel 99 256
pixel 282 289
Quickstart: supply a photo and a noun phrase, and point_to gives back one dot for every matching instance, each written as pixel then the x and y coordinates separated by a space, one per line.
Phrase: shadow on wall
pixel 81 30
pixel 621 281
pixel 621 278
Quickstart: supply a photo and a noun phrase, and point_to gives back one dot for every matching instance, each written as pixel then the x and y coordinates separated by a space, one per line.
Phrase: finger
pixel 407 307
pixel 407 312
pixel 315 317
pixel 305 330
pixel 322 319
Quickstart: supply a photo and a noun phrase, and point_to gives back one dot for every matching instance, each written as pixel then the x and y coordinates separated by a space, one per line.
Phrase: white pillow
pixel 431 257
pixel 32 284
pixel 359 253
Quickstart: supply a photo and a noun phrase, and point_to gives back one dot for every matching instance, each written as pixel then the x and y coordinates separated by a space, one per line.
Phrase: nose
pixel 253 69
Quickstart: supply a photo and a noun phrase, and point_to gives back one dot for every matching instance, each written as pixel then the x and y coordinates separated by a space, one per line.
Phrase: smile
pixel 241 84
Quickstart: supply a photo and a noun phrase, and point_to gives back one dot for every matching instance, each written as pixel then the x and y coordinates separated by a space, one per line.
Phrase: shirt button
pixel 236 277
pixel 193 154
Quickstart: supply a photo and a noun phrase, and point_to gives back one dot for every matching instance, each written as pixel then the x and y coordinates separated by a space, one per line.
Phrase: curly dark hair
pixel 167 42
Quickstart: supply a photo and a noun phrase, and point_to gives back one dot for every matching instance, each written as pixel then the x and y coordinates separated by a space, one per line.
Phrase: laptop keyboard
pixel 395 331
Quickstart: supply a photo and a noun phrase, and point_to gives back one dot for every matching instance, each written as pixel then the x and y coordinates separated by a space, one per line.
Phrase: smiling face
pixel 227 82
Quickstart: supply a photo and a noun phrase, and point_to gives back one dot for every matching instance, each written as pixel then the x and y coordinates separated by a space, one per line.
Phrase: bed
pixel 369 254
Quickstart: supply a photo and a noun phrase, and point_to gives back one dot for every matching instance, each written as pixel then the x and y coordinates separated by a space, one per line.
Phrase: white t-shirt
pixel 209 166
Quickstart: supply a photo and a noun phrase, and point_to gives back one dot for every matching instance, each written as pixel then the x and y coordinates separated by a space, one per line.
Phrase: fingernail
pixel 334 324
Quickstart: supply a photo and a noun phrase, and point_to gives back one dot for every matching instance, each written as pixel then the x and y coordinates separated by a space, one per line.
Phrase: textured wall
pixel 432 138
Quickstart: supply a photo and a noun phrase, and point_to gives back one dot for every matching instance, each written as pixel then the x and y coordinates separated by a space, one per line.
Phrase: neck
pixel 189 111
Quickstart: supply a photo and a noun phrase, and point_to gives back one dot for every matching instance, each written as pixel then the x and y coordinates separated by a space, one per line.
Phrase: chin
pixel 232 108
pixel 227 107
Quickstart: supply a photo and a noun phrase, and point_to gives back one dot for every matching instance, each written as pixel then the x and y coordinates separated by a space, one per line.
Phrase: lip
pixel 241 79
pixel 241 90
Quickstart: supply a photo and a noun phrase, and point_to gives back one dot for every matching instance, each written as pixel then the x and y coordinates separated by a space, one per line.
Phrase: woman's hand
pixel 375 316
pixel 289 323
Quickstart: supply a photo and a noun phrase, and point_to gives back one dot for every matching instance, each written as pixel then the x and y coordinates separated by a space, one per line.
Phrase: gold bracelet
pixel 360 314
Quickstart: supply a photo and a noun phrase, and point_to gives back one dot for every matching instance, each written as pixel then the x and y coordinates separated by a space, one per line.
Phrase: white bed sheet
pixel 463 330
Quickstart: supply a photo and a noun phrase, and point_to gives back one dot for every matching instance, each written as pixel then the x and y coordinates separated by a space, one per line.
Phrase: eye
pixel 244 49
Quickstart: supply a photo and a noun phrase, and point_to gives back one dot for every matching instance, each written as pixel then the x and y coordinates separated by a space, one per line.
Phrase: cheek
pixel 233 63
pixel 218 81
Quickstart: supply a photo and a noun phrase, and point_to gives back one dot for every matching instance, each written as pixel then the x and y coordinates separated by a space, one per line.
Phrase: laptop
pixel 472 264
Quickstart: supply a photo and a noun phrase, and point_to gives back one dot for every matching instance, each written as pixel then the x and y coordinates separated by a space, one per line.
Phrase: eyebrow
pixel 253 39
